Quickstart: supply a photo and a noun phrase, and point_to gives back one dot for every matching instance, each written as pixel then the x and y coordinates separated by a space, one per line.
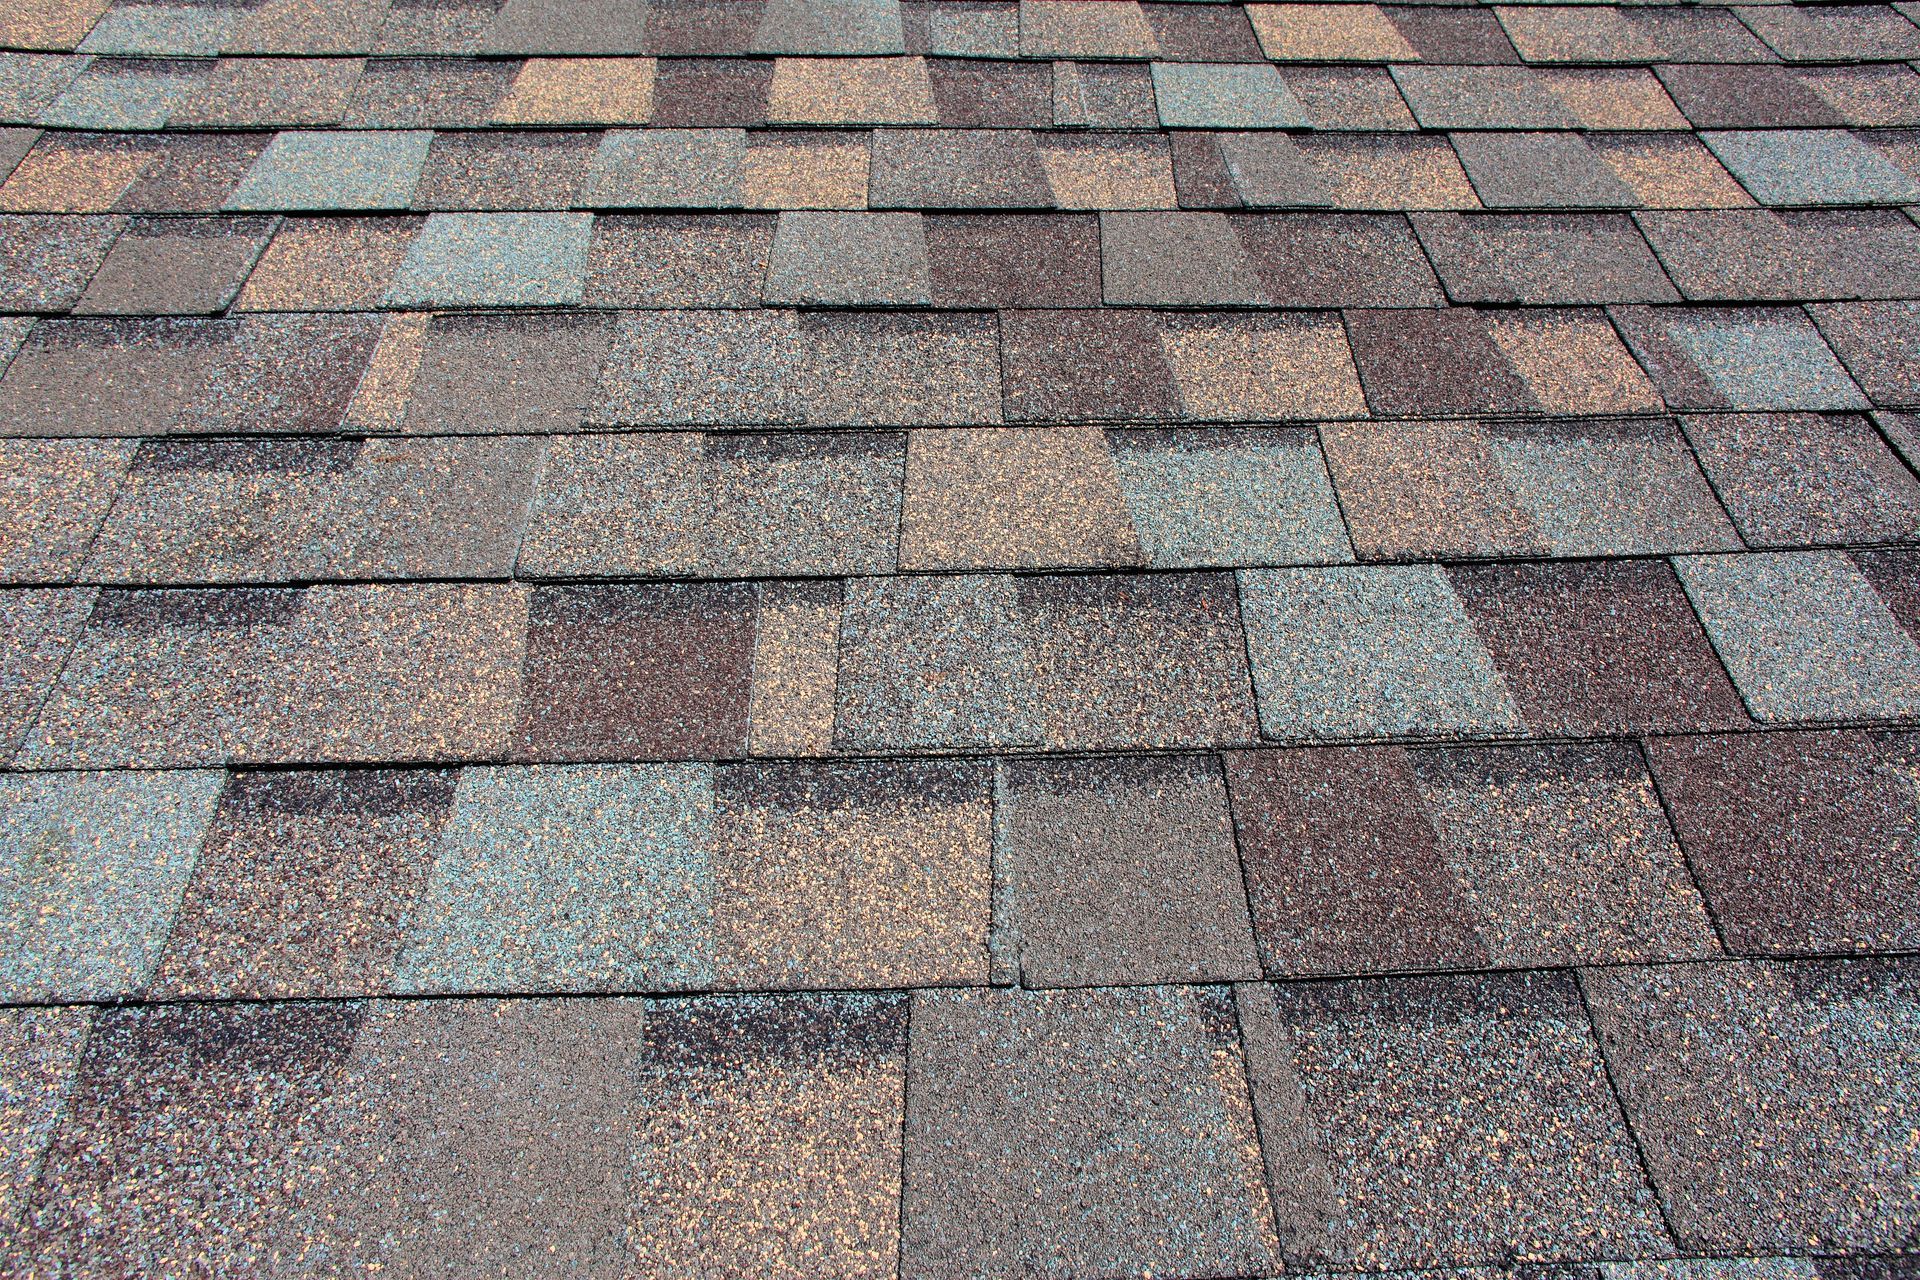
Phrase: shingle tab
pixel 1121 871
pixel 852 875
pixel 495 260
pixel 1747 1080
pixel 1368 652
pixel 1010 1093
pixel 1805 635
pixel 1380 1067
pixel 1797 838
pixel 1509 856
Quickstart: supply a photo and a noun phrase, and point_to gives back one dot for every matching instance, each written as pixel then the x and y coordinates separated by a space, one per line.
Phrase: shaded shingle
pixel 427 93
pixel 973 94
pixel 37 630
pixel 1807 478
pixel 1317 33
pixel 1876 341
pixel 327 263
pixel 1012 1098
pixel 177 1117
pixel 1542 258
pixel 1471 362
pixel 1368 652
pixel 1753 97
pixel 733 1087
pixel 1175 259
pixel 579 91
pixel 1417 1092
pixel 852 875
pixel 125 93
pixel 306 27
pixel 932 662
pixel 1755 359
pixel 276 510
pixel 1539 170
pixel 1120 871
pixel 1597 647
pixel 726 506
pixel 1798 839
pixel 1805 635
pixel 1108 171
pixel 662 369
pixel 50 24
pixel 183 30
pixel 1761 1092
pixel 495 260
pixel 162 266
pixel 964 28
pixel 1337 260
pixel 1511 856
pixel 667 168
pixel 705 92
pixel 1834 32
pixel 284 675
pixel 1348 97
pixel 659 671
pixel 1103 95
pixel 1760 255
pixel 304 884
pixel 1811 166
pixel 1580 33
pixel 1202 33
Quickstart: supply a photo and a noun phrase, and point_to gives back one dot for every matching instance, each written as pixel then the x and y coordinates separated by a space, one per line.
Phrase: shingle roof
pixel 960 638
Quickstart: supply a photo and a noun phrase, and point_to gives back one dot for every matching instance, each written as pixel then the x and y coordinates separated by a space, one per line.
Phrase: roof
pixel 949 638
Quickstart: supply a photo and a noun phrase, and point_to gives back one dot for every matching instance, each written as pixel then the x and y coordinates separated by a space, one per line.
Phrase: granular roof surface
pixel 955 638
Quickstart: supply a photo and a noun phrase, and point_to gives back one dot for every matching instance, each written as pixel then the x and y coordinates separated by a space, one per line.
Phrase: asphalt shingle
pixel 1378 1127
pixel 1761 1092
pixel 1013 1093
pixel 735 636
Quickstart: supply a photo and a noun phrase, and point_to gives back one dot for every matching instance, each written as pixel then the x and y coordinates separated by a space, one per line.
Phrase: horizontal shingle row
pixel 481 672
pixel 415 373
pixel 1121 29
pixel 1071 872
pixel 348 170
pixel 1337 1125
pixel 112 264
pixel 83 92
pixel 749 504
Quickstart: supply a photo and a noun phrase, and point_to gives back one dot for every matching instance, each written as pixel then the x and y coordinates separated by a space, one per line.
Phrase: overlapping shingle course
pixel 958 638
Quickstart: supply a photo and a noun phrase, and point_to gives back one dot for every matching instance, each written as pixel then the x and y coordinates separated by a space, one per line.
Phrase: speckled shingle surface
pixel 839 639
